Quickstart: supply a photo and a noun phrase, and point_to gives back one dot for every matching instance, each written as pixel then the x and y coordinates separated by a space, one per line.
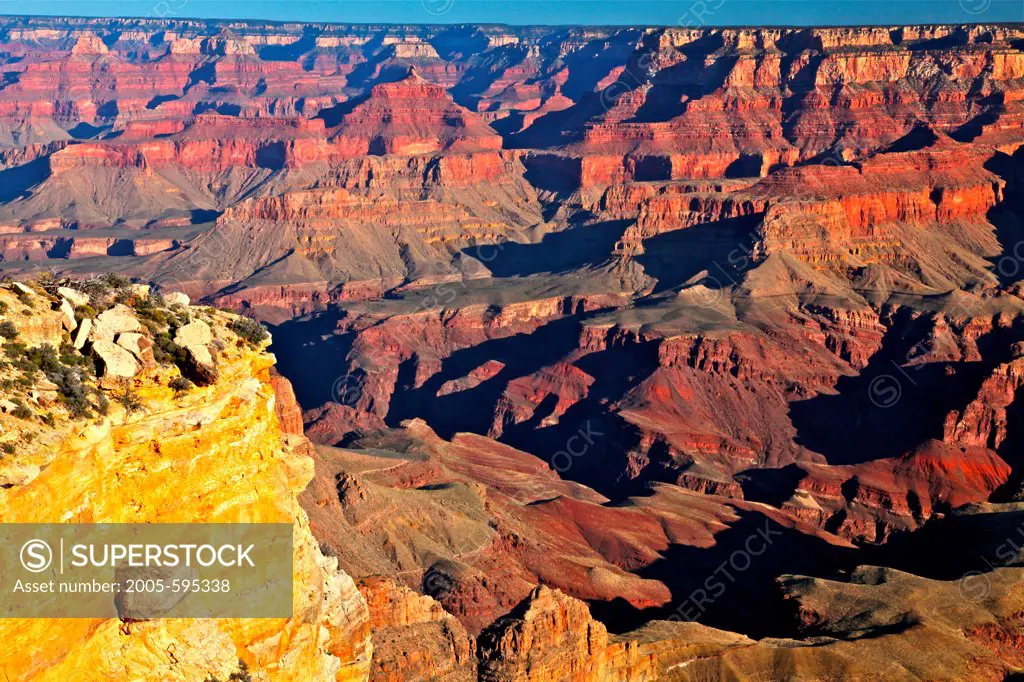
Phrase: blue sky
pixel 672 12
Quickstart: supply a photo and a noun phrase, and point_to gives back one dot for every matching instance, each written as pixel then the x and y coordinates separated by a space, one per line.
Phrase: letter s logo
pixel 36 556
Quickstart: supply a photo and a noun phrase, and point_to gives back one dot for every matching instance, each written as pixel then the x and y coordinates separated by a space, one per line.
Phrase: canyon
pixel 597 353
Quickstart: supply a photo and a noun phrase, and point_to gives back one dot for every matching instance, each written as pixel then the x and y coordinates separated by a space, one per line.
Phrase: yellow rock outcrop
pixel 214 454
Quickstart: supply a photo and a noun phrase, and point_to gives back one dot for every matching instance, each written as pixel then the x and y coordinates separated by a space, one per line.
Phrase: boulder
pixel 114 361
pixel 23 289
pixel 82 335
pixel 75 297
pixel 68 315
pixel 196 333
pixel 7 406
pixel 18 473
pixel 199 366
pixel 44 398
pixel 176 298
pixel 114 321
pixel 138 345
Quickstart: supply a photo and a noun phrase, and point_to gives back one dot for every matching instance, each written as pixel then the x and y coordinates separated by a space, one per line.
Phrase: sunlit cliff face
pixel 209 454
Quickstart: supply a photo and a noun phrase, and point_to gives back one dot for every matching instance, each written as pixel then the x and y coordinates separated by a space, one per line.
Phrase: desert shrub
pixel 85 311
pixel 8 330
pixel 71 357
pixel 165 351
pixel 48 282
pixel 7 448
pixel 48 419
pixel 181 385
pixel 115 281
pixel 44 358
pixel 14 350
pixel 96 288
pixel 20 410
pixel 3 307
pixel 73 393
pixel 102 404
pixel 101 289
pixel 26 300
pixel 20 360
pixel 128 398
pixel 249 329
pixel 145 310
pixel 240 675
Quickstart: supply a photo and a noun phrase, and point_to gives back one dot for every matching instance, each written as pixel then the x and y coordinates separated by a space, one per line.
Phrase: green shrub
pixel 3 307
pixel 7 448
pixel 8 330
pixel 146 311
pixel 85 311
pixel 115 281
pixel 128 398
pixel 72 392
pixel 21 411
pixel 165 351
pixel 181 385
pixel 249 329
pixel 44 358
pixel 71 357
pixel 14 350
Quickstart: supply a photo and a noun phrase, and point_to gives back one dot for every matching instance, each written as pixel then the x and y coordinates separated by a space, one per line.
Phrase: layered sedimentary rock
pixel 550 637
pixel 413 636
pixel 213 454
pixel 591 309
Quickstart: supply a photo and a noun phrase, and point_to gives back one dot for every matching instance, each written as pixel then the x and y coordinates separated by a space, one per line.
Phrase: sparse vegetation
pixel 16 353
pixel 103 291
pixel 8 448
pixel 165 351
pixel 83 312
pixel 21 411
pixel 249 329
pixel 240 675
pixel 66 369
pixel 73 392
pixel 71 357
pixel 181 385
pixel 128 398
pixel 8 330
pixel 44 358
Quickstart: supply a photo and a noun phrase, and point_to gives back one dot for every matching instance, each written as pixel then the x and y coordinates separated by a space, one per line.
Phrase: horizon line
pixel 705 26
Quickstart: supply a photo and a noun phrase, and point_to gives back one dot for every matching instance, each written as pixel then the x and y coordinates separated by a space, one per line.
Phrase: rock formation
pixel 574 317
pixel 142 452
